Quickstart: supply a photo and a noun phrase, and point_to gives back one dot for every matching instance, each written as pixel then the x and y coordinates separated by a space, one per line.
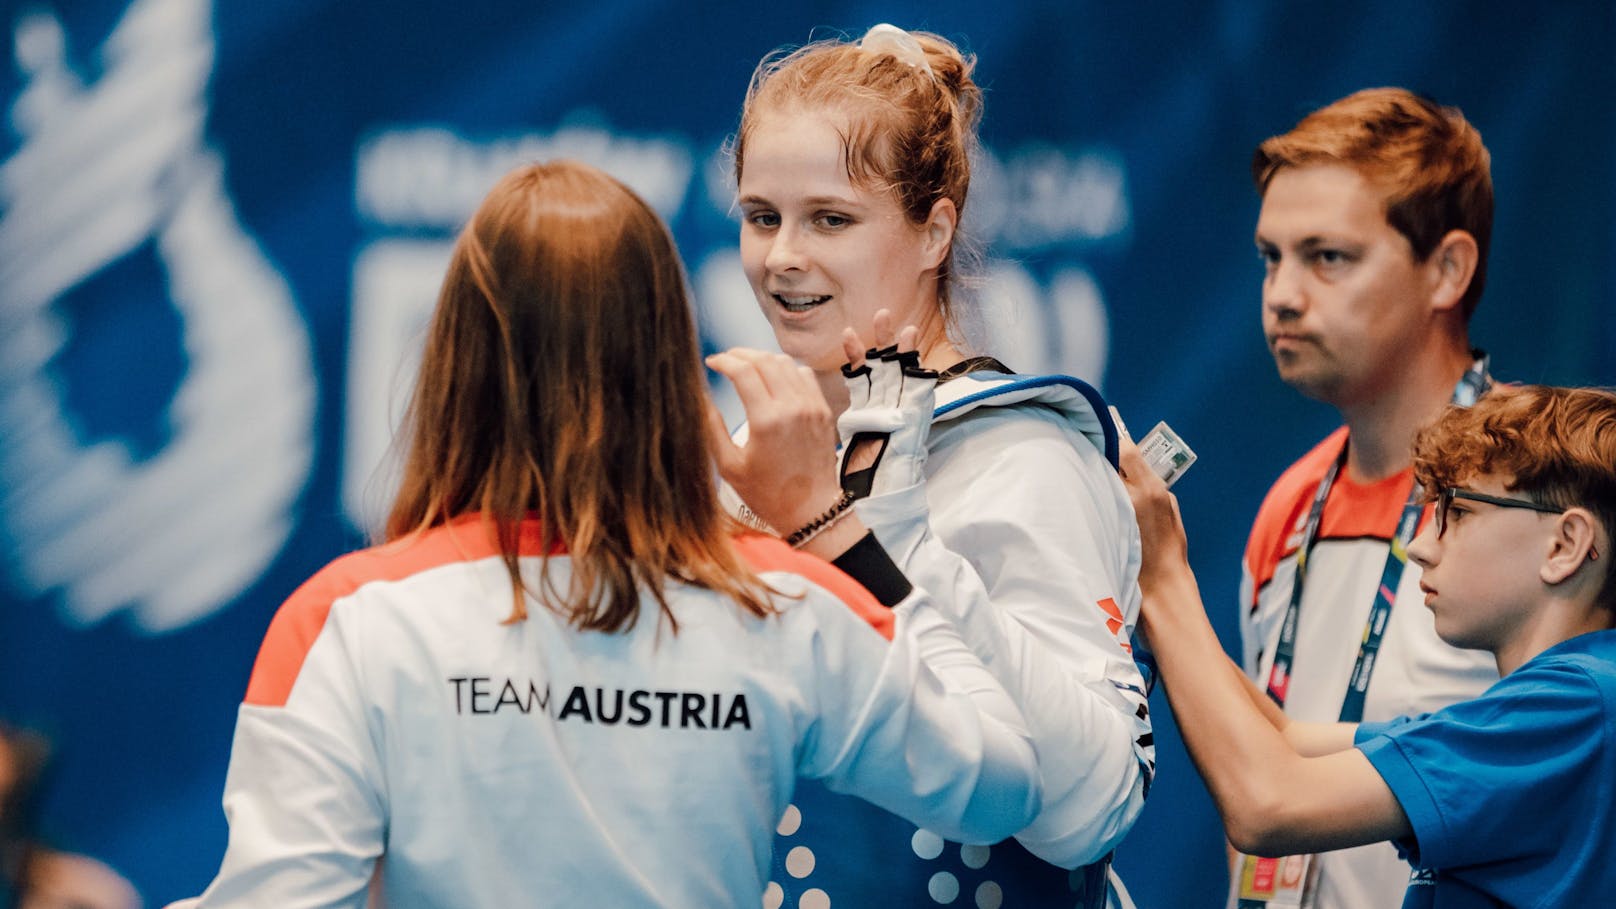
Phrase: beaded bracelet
pixel 822 523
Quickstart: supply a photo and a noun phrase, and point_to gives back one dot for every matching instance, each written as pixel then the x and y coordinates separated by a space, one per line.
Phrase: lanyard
pixel 1470 387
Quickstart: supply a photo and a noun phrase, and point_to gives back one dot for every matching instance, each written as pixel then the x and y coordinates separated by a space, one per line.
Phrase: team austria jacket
pixel 393 717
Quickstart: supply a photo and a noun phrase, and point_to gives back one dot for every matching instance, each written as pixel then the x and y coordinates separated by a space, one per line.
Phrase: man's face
pixel 1344 301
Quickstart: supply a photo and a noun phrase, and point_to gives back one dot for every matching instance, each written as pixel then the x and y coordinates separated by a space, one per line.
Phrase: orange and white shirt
pixel 1415 672
pixel 394 718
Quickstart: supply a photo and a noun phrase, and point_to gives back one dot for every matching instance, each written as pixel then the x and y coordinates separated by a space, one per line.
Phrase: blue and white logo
pixel 107 170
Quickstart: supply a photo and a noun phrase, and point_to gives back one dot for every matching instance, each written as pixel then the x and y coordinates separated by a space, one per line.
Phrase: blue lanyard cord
pixel 1470 387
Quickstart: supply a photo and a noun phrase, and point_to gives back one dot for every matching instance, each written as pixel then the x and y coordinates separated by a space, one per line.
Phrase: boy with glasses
pixel 1445 497
pixel 1500 801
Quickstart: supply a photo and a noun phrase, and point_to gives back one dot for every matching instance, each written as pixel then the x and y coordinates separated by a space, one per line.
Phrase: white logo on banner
pixel 103 169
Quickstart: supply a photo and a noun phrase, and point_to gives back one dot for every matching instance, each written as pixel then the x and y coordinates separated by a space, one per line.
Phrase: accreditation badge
pixel 1286 882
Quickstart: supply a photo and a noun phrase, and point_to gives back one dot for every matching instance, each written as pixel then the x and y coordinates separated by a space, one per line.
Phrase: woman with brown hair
pixel 853 167
pixel 564 679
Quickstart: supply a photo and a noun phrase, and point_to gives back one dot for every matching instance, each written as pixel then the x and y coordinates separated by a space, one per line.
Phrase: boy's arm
pixel 1274 801
pixel 1309 739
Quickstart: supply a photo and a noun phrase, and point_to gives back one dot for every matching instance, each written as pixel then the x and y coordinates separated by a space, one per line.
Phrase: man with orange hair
pixel 1375 222
pixel 1503 800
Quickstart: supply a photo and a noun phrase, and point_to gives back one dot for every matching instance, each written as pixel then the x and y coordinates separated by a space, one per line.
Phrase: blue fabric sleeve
pixel 1367 731
pixel 1477 779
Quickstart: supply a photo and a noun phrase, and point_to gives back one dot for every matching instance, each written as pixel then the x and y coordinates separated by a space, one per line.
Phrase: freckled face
pixel 1343 297
pixel 821 252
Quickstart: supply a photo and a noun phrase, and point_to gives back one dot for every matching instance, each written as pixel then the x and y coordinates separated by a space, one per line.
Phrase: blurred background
pixel 222 227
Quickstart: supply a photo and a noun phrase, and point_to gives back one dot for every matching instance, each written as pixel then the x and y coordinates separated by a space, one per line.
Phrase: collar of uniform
pixel 1076 400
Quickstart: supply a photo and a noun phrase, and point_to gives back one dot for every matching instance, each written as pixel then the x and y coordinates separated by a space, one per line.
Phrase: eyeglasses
pixel 1449 493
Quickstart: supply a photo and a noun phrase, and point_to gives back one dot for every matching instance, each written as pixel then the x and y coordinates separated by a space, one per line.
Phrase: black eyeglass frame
pixel 1445 497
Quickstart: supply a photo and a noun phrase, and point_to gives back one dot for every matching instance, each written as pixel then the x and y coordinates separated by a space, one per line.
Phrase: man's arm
pixel 1273 799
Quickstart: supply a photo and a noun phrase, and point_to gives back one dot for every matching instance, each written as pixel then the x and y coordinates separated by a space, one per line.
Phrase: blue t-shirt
pixel 1512 795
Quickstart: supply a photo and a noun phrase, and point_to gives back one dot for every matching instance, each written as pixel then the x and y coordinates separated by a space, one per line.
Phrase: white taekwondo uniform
pixel 1023 534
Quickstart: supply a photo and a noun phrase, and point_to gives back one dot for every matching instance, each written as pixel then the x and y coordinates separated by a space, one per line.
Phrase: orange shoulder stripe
pixel 299 621
pixel 766 553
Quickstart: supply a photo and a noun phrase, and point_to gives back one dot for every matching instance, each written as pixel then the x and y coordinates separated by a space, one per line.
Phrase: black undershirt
pixel 973 364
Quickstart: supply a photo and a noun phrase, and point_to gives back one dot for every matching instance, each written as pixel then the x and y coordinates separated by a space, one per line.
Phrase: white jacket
pixel 1025 537
pixel 392 716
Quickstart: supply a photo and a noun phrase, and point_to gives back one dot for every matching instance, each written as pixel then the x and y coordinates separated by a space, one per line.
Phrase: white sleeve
pixel 303 794
pixel 1047 599
pixel 918 726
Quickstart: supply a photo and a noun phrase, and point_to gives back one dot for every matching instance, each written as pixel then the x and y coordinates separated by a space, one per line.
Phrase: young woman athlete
pixel 853 162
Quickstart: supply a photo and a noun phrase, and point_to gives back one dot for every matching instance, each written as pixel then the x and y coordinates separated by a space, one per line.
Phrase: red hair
pixel 1557 444
pixel 910 132
pixel 1429 160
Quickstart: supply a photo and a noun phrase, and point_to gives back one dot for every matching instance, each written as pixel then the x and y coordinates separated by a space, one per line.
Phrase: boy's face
pixel 1344 301
pixel 1481 575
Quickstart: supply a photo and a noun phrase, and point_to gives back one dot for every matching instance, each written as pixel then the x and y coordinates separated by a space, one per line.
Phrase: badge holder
pixel 1287 882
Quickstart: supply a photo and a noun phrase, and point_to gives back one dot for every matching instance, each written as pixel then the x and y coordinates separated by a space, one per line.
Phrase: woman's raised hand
pixel 853 346
pixel 785 471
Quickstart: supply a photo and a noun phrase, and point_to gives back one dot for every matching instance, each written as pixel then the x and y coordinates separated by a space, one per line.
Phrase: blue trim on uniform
pixel 1096 401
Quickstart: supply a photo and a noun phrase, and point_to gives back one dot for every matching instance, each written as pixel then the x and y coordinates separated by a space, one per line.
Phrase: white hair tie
pixel 890 39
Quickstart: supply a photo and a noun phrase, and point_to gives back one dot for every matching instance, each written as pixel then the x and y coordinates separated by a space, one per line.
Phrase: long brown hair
pixel 561 381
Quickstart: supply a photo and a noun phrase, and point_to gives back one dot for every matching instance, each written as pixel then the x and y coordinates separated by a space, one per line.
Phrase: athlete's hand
pixel 863 456
pixel 786 470
pixel 886 335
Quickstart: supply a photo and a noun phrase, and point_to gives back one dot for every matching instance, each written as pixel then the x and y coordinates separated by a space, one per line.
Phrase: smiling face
pixel 1480 578
pixel 1344 301
pixel 823 253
